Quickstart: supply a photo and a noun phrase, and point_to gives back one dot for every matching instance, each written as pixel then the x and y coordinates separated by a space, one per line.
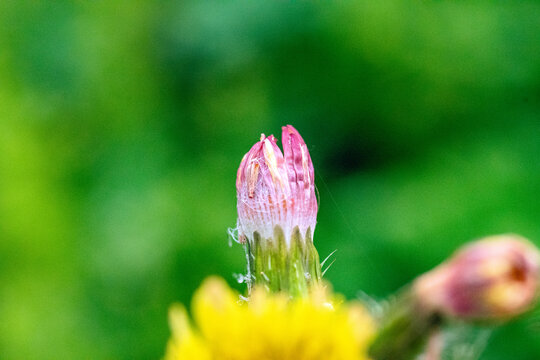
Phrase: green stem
pixel 403 329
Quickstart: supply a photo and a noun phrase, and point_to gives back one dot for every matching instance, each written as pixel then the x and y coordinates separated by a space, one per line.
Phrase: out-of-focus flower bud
pixel 277 211
pixel 491 279
pixel 495 278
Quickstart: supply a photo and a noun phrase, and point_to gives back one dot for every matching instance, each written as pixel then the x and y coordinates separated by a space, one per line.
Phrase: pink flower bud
pixel 493 278
pixel 275 188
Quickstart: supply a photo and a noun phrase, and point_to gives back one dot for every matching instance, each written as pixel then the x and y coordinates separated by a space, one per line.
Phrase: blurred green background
pixel 122 124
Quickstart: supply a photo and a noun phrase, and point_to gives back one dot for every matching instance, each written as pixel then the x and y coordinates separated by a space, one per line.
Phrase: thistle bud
pixel 491 279
pixel 277 211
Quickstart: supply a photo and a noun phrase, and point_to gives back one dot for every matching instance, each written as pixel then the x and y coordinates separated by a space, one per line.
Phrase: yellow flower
pixel 269 327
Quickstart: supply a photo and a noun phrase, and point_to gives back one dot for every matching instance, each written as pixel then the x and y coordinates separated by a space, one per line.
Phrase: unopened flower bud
pixel 495 278
pixel 277 208
pixel 491 279
pixel 275 188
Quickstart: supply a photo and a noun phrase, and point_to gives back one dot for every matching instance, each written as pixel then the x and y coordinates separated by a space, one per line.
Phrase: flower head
pixel 276 189
pixel 268 326
pixel 494 278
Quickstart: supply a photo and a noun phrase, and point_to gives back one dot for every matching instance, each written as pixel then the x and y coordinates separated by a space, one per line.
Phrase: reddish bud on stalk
pixel 491 279
pixel 276 189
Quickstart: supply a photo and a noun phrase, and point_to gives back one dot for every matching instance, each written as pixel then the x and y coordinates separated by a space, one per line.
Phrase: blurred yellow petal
pixel 271 326
pixel 184 343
